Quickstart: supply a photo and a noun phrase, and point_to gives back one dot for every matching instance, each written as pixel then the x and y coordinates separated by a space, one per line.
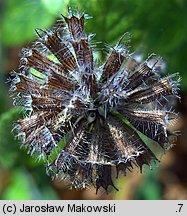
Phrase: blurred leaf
pixel 43 182
pixel 149 189
pixel 48 193
pixel 8 146
pixel 4 98
pixel 21 18
pixel 24 187
pixel 55 7
pixel 56 151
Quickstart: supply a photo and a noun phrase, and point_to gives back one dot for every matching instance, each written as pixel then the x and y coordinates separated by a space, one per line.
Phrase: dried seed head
pixel 82 123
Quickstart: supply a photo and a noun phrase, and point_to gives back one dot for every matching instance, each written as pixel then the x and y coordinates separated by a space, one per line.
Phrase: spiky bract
pixel 89 116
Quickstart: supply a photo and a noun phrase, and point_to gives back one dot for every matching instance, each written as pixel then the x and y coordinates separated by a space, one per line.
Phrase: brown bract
pixel 86 119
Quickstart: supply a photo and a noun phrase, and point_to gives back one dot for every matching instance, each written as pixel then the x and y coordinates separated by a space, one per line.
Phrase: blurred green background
pixel 156 26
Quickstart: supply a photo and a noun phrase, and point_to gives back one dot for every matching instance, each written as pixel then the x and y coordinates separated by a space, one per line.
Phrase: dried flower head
pixel 83 118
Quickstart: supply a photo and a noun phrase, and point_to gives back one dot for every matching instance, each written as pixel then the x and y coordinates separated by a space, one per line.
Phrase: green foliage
pixel 24 180
pixel 149 188
pixel 55 7
pixel 4 98
pixel 20 186
pixel 23 16
pixel 23 187
pixel 8 146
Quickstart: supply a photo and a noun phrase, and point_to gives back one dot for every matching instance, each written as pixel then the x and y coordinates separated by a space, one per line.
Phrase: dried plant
pixel 84 118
